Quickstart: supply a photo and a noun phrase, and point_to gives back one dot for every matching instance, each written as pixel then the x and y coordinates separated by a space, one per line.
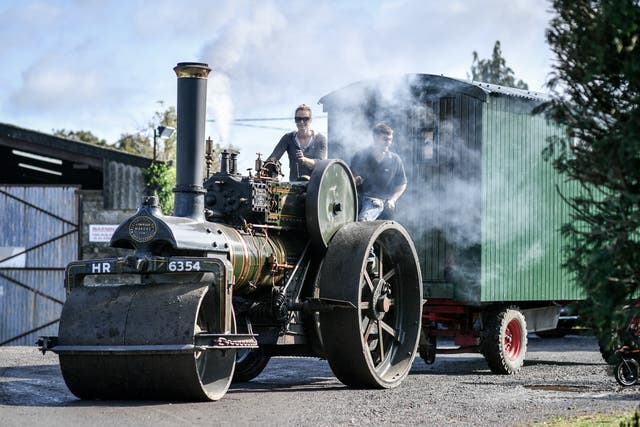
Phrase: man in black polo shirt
pixel 379 176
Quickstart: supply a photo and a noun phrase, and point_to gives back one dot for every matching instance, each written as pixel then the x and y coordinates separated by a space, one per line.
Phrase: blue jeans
pixel 370 208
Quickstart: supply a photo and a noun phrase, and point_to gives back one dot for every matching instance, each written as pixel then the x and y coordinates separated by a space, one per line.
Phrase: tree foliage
pixel 166 148
pixel 135 143
pixel 494 70
pixel 160 179
pixel 81 135
pixel 595 88
pixel 141 143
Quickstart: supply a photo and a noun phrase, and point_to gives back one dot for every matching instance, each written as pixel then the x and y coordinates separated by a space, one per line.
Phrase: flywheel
pixel 331 201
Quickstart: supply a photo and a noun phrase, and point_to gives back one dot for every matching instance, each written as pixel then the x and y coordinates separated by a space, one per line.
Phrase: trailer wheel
pixel 504 341
pixel 250 363
pixel 371 277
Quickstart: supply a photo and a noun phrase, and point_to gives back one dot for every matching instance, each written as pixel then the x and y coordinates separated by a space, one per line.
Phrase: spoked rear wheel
pixel 372 276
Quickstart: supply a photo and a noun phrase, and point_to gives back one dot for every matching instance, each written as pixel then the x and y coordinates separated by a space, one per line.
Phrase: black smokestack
pixel 192 101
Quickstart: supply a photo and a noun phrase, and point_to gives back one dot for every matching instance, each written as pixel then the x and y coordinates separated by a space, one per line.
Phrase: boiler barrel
pixel 259 259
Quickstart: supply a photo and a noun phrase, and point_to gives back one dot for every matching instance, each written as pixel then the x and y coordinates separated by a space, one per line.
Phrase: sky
pixel 106 66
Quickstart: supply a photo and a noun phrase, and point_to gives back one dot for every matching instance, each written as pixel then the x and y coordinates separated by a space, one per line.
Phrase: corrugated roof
pixel 440 83
pixel 51 142
pixel 509 91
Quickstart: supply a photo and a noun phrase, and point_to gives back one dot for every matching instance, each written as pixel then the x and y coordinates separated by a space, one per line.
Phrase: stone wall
pixel 92 212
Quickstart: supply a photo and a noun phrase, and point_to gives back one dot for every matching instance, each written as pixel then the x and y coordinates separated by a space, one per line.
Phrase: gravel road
pixel 561 377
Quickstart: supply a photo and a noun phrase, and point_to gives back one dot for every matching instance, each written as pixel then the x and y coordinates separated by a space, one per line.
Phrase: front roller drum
pixel 137 342
pixel 371 277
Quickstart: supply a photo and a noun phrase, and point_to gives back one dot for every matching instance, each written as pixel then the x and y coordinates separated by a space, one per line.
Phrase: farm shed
pixel 58 199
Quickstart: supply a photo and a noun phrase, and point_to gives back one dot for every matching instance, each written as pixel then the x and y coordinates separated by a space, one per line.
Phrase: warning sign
pixel 101 233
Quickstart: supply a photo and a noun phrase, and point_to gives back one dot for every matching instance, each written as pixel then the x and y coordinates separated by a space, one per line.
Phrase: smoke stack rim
pixel 192 70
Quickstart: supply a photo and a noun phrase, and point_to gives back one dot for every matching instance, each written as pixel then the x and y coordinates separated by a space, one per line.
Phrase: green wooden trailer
pixel 482 205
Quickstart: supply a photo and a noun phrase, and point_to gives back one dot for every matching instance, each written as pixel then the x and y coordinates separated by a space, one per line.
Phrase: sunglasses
pixel 302 119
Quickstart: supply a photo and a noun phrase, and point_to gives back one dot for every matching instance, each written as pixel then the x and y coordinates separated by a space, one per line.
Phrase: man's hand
pixel 358 179
pixel 391 202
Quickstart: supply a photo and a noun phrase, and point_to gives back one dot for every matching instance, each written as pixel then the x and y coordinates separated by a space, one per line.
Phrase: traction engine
pixel 247 268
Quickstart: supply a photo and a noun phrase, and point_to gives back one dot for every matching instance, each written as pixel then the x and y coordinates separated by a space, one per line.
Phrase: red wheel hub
pixel 512 339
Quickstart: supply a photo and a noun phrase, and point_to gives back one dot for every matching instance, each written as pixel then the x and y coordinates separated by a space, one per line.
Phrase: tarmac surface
pixel 562 377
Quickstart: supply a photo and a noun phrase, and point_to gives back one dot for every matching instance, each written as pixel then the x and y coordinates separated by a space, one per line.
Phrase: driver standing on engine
pixel 303 146
pixel 379 176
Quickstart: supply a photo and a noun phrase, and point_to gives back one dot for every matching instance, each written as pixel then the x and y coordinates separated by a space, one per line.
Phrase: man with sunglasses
pixel 303 146
pixel 379 175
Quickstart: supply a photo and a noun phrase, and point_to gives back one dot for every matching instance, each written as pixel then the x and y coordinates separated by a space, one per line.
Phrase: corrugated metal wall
pixel 43 221
pixel 522 211
pixel 123 186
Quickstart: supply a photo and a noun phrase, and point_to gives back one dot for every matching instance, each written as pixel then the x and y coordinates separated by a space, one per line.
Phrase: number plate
pixel 183 265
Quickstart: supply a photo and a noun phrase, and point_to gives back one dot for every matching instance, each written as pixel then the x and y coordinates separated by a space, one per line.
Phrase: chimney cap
pixel 192 70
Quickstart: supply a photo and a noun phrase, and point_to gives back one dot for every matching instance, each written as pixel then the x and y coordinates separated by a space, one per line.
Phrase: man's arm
pixel 391 201
pixel 355 167
pixel 400 180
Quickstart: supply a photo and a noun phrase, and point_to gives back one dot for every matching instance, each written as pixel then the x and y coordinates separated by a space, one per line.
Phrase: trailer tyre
pixel 504 341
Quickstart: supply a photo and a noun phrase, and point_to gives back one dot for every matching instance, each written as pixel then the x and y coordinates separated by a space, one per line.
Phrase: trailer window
pixel 427 144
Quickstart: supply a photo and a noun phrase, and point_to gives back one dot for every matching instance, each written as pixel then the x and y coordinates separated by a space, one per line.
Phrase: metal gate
pixel 38 238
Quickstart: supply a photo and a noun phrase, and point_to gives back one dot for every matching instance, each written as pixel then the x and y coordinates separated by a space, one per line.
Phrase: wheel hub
pixel 512 340
pixel 380 303
pixel 384 304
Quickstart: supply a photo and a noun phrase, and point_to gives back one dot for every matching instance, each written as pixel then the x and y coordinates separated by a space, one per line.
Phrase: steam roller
pixel 246 268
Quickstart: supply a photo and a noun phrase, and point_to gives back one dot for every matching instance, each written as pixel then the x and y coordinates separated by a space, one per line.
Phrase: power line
pixel 259 126
pixel 264 119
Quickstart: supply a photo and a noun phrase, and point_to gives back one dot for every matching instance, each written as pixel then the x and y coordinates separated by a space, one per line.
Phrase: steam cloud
pixel 246 32
pixel 443 205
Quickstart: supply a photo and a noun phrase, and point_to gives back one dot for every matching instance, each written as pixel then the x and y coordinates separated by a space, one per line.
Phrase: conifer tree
pixel 595 86
pixel 494 70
